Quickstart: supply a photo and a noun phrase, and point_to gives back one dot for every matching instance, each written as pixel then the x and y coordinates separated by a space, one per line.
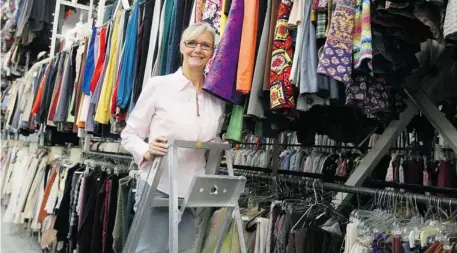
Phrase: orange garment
pixel 246 61
pixel 47 191
pixel 37 103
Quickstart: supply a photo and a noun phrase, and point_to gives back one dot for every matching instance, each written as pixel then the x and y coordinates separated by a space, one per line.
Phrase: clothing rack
pixel 417 198
pixel 107 155
pixel 370 182
pixel 343 147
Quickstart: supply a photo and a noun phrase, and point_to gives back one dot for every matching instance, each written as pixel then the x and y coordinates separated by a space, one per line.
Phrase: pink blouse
pixel 167 107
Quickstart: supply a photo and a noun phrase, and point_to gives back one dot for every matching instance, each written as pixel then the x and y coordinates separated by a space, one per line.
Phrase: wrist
pixel 147 156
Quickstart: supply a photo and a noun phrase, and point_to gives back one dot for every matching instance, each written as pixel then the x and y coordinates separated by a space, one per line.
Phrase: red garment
pixel 37 103
pixel 106 213
pixel 446 176
pixel 281 88
pixel 114 96
pixel 100 61
pixel 55 99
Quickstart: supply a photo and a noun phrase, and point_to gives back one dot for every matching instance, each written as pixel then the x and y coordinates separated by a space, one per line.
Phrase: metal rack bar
pixel 419 198
pixel 368 182
pixel 110 155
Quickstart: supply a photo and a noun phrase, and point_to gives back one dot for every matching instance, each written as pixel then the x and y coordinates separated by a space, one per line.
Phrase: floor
pixel 14 239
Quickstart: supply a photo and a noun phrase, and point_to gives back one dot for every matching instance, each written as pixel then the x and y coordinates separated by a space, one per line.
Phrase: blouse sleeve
pixel 138 122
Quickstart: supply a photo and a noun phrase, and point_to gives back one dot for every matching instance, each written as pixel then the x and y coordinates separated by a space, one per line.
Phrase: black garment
pixel 312 239
pixel 143 47
pixel 92 186
pixel 97 226
pixel 108 233
pixel 261 20
pixel 63 215
pixel 187 13
pixel 175 36
pixel 340 123
pixel 46 98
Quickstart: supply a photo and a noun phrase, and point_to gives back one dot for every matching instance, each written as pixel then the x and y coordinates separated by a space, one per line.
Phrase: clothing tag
pixel 125 4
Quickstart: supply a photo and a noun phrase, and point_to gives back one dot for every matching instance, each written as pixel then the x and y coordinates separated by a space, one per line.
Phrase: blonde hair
pixel 195 30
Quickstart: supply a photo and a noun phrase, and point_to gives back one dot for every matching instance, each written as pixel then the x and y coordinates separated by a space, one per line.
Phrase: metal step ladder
pixel 206 191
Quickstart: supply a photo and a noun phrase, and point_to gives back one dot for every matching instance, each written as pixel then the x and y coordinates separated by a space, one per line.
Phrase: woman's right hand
pixel 157 147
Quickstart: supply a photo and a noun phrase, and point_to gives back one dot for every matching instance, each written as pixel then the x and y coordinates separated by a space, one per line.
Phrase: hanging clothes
pixel 126 71
pixel 281 88
pixel 221 79
pixel 248 47
pixel 336 60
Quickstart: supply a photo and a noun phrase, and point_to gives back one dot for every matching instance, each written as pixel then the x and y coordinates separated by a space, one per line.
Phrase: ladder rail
pixel 175 214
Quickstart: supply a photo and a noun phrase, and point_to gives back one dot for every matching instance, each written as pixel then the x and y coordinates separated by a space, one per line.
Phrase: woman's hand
pixel 157 147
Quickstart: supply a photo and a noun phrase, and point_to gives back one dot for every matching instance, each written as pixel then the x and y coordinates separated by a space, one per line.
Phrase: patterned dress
pixel 281 88
pixel 336 60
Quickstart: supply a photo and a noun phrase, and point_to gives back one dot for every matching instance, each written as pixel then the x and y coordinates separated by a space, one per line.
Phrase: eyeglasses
pixel 194 44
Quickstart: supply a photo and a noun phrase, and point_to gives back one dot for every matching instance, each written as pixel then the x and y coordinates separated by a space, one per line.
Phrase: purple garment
pixel 221 79
pixel 336 59
pixel 377 245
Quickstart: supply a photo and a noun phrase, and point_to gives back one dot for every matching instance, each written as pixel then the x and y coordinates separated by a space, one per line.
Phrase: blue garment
pixel 126 76
pixel 166 37
pixel 90 64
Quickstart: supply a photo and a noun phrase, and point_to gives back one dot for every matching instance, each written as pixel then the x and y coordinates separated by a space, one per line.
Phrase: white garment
pixel 298 7
pixel 450 21
pixel 18 174
pixel 351 237
pixel 156 68
pixel 152 42
pixel 26 184
pixel 34 190
pixel 192 15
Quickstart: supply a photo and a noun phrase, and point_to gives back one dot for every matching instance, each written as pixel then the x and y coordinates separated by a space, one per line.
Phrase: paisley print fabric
pixel 369 93
pixel 336 61
pixel 199 11
pixel 220 81
pixel 281 88
pixel 212 13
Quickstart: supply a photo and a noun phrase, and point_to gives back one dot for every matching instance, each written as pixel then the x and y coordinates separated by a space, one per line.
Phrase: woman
pixel 175 107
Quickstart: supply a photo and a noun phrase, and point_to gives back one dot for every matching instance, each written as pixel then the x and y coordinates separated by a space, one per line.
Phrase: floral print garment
pixel 336 61
pixel 212 15
pixel 281 88
pixel 369 93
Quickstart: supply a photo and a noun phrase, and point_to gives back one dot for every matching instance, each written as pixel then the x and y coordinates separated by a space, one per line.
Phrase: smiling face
pixel 197 51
